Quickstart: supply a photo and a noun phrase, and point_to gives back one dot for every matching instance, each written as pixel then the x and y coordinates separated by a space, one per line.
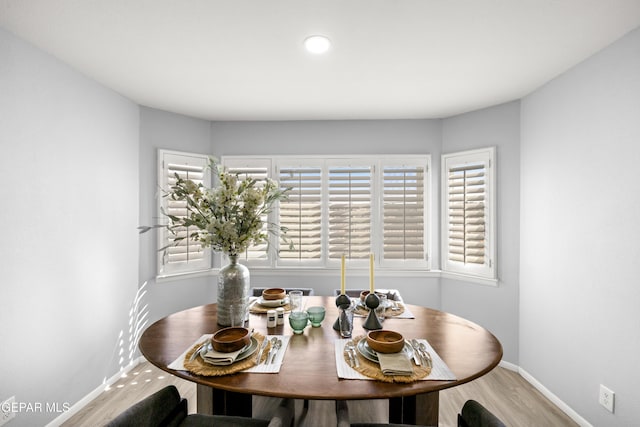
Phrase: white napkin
pixel 395 364
pixel 219 358
pixel 439 372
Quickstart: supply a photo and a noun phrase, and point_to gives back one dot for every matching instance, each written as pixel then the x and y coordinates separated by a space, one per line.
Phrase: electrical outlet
pixel 6 410
pixel 607 398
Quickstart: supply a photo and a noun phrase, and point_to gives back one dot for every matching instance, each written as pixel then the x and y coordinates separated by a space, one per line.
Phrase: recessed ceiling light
pixel 317 44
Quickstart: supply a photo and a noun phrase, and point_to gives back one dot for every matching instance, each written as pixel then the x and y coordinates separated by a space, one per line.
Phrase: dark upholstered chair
pixel 167 408
pixel 473 414
pixel 256 292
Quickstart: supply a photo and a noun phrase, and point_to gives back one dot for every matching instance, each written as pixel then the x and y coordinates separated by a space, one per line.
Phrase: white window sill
pixel 181 276
pixel 469 278
pixel 265 271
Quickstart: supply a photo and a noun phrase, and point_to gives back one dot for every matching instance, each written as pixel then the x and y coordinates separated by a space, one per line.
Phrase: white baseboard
pixel 510 366
pixel 552 397
pixel 75 408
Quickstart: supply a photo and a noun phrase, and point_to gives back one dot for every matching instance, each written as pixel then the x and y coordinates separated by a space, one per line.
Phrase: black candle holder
pixel 372 302
pixel 342 301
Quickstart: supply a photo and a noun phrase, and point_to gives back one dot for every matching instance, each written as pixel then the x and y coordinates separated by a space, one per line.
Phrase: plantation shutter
pixel 187 254
pixel 260 173
pixel 301 214
pixel 403 207
pixel 468 212
pixel 349 212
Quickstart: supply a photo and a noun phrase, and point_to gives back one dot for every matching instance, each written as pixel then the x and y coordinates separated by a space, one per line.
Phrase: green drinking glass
pixel 298 321
pixel 316 315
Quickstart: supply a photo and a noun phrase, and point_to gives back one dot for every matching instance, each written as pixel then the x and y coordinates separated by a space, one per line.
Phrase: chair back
pixel 162 408
pixel 473 414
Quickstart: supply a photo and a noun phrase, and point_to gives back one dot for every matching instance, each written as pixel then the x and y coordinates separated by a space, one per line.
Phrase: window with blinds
pixel 186 255
pixel 259 170
pixel 349 203
pixel 403 206
pixel 301 213
pixel 344 205
pixel 468 210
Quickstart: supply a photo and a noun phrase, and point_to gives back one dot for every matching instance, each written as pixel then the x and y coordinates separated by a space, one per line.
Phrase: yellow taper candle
pixel 342 277
pixel 371 273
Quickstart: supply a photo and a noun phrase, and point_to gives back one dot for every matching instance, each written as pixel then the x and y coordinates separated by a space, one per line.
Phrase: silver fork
pixel 350 346
pixel 276 347
pixel 198 350
pixel 427 356
pixel 349 356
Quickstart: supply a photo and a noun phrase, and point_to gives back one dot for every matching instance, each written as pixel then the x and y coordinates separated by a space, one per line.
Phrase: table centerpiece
pixel 228 218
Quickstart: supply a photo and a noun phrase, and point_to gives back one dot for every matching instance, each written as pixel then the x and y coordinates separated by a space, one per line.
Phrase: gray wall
pixel 579 319
pixel 495 308
pixel 68 221
pixel 163 130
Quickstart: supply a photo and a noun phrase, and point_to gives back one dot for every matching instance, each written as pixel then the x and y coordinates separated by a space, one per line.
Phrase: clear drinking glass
pixel 295 300
pixel 345 319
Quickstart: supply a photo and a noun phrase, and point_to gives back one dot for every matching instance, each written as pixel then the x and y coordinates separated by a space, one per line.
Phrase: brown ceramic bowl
pixel 363 295
pixel 273 294
pixel 230 339
pixel 384 341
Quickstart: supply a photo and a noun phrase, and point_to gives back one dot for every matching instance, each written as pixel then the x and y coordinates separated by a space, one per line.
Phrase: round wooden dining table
pixel 309 371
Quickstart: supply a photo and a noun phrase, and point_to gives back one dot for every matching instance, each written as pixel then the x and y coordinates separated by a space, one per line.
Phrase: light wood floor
pixel 503 392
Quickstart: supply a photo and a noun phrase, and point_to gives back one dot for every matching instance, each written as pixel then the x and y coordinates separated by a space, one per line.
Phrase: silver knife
pixel 262 347
pixel 416 352
pixel 271 350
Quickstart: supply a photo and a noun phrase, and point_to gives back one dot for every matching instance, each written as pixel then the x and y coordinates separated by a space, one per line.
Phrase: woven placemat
pixel 200 367
pixel 372 369
pixel 259 309
pixel 388 312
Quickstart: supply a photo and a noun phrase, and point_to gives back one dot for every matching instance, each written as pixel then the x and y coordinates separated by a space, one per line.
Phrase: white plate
pixel 273 303
pixel 372 355
pixel 247 352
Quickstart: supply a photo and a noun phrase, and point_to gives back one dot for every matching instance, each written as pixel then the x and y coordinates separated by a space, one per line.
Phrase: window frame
pixel 487 272
pixel 427 216
pixel 178 268
pixel 273 266
pixel 377 163
pixel 302 163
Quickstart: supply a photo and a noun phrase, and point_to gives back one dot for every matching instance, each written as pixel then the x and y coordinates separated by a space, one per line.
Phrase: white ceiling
pixel 243 59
